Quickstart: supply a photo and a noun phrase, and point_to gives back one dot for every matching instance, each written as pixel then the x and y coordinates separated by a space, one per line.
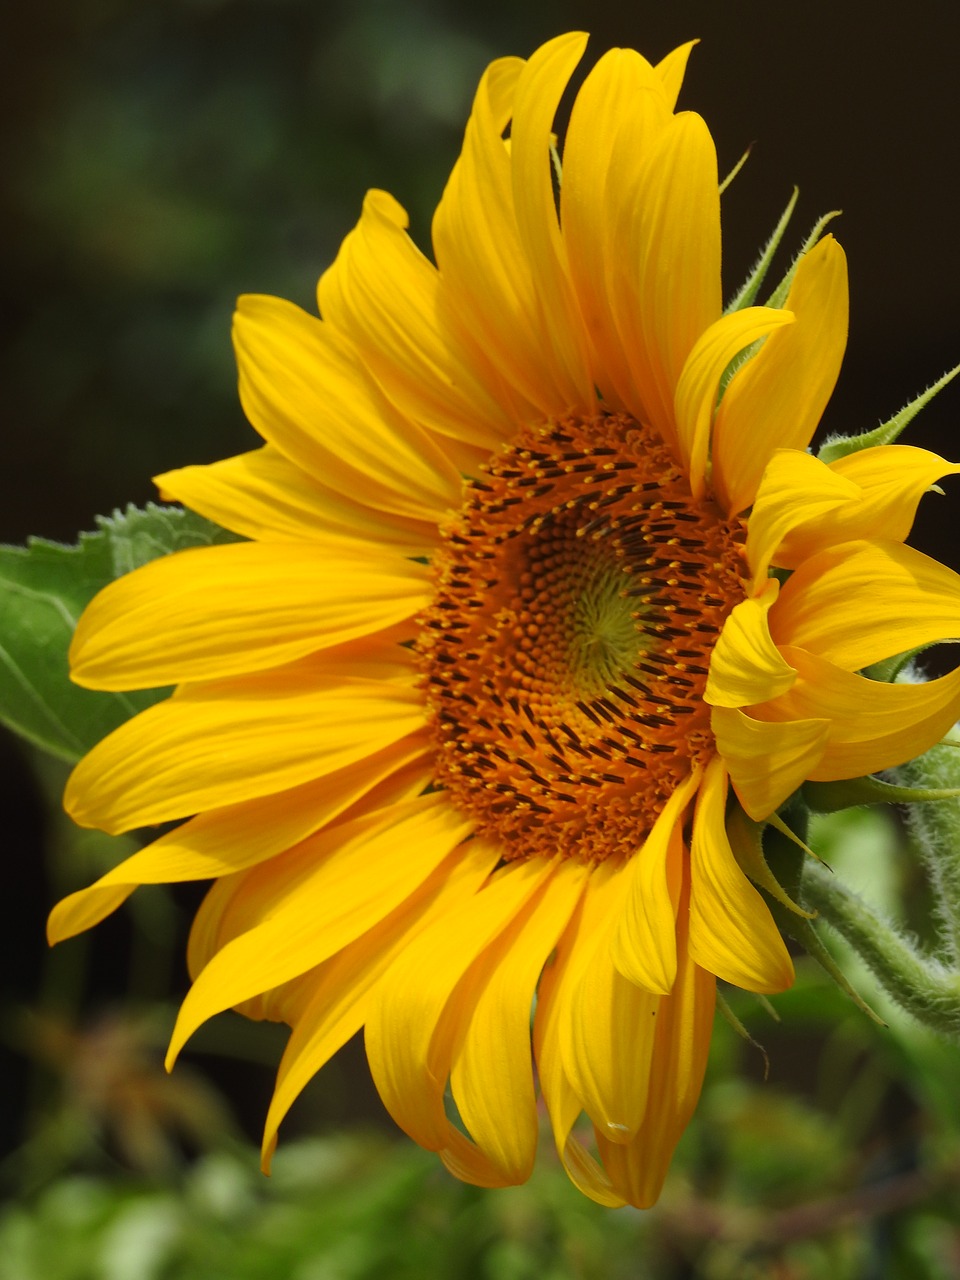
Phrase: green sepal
pixel 747 293
pixel 802 931
pixel 746 841
pixel 731 1018
pixel 830 797
pixel 839 446
pixel 736 169
pixel 45 587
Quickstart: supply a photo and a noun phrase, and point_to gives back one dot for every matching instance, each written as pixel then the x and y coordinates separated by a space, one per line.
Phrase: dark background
pixel 159 158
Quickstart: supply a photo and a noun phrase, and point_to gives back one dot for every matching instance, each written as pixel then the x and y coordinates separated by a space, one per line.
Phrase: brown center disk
pixel 579 594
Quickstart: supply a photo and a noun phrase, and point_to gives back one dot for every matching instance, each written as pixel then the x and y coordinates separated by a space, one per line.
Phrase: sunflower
pixel 540 594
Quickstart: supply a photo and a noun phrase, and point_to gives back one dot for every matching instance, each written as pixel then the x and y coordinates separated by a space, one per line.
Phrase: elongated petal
pixel 263 495
pixel 480 256
pixel 874 725
pixel 146 771
pixel 668 291
pixel 776 400
pixel 409 1040
pixel 492 1075
pixel 539 90
pixel 343 989
pixel 797 492
pixel 746 666
pixel 732 933
pixel 620 108
pixel 563 1104
pixel 214 612
pixel 306 391
pixel 863 601
pixel 384 294
pixel 767 762
pixel 696 392
pixel 682 1039
pixel 644 947
pixel 222 841
pixel 890 481
pixel 672 69
pixel 352 880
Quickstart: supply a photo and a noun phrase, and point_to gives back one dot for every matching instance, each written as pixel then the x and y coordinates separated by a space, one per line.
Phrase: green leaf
pixel 44 587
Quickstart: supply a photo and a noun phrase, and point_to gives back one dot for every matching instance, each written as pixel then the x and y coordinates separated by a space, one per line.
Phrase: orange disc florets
pixel 579 593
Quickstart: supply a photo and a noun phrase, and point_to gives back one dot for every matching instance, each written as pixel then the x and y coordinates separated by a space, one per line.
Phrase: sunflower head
pixel 540 597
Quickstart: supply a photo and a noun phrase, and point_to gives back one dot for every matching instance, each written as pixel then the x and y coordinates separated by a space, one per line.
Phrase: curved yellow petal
pixel 776 400
pixel 487 281
pixel 890 480
pixel 874 725
pixel 644 946
pixel 732 933
pixel 258 734
pixel 492 1074
pixel 539 90
pixel 767 762
pixel 384 294
pixel 348 881
pixel 563 1104
pixel 343 988
pixel 305 389
pixel 682 1040
pixel 695 398
pixel 619 109
pixel 746 666
pixel 209 613
pixel 671 70
pixel 421 1007
pixel 221 841
pixel 797 493
pixel 665 290
pixel 862 601
pixel 265 496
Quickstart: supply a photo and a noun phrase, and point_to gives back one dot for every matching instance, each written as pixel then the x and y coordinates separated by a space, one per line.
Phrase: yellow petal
pixel 797 491
pixel 890 480
pixel 486 277
pixel 227 840
pixel 539 90
pixel 767 762
pixel 619 109
pixel 682 1040
pixel 672 69
pixel 348 881
pixel 385 295
pixel 860 602
pixel 343 988
pixel 644 946
pixel 874 725
pixel 306 391
pixel 563 1104
pixel 696 391
pixel 214 612
pixel 732 933
pixel 492 1074
pixel 259 735
pixel 666 286
pixel 410 1032
pixel 262 495
pixel 776 400
pixel 746 666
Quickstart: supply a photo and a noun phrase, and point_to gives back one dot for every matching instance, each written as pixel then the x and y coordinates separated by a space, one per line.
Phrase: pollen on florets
pixel 579 592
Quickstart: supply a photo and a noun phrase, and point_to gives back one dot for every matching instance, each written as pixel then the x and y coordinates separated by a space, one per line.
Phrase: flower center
pixel 579 593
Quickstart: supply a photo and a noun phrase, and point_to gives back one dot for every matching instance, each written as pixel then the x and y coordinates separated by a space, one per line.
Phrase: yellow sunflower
pixel 536 596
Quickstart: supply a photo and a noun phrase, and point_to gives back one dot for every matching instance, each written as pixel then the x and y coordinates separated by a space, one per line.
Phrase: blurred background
pixel 160 158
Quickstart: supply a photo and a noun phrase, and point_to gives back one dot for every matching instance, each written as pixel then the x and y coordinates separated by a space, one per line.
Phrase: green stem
pixel 918 983
pixel 935 828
